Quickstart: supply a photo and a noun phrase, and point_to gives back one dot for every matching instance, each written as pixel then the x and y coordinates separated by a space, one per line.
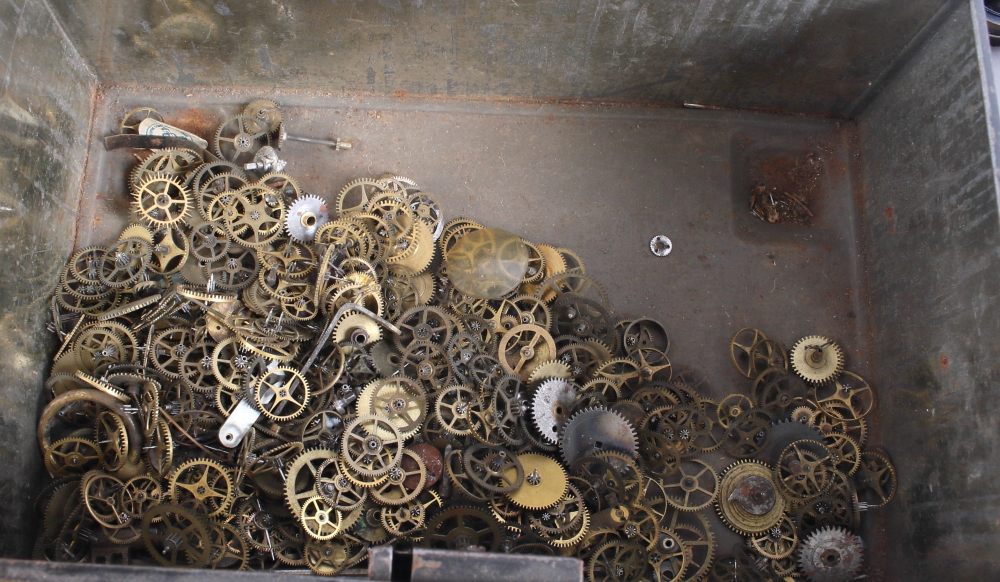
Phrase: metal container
pixel 564 121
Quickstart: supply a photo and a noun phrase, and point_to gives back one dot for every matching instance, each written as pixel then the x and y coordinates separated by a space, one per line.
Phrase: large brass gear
pixel 301 477
pixel 357 327
pixel 748 499
pixel 524 348
pixel 203 486
pixel 400 399
pixel 817 359
pixel 282 394
pixel 161 200
pixel 355 196
pixel 371 445
pixel 544 484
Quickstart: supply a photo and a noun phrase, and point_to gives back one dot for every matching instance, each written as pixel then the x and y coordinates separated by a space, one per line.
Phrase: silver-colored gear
pixel 597 429
pixel 552 406
pixel 831 554
pixel 305 216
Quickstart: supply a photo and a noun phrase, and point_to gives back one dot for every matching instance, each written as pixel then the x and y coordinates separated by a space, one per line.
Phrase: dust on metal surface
pixel 772 55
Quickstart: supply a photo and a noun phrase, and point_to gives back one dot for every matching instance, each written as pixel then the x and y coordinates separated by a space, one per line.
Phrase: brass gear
pixel 347 329
pixel 301 477
pixel 544 484
pixel 548 370
pixel 319 520
pixel 203 486
pixel 748 499
pixel 420 259
pixel 400 399
pixel 778 542
pixel 162 200
pixel 817 359
pixel 355 196
pixel 524 348
pixel 281 394
pixel 371 445
pixel 803 414
pixel 405 481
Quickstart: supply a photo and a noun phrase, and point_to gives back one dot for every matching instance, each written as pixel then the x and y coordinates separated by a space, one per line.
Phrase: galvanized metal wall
pixel 45 103
pixel 933 253
pixel 810 56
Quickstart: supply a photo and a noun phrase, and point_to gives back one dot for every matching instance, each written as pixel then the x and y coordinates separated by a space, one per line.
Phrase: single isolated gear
pixel 552 406
pixel 597 429
pixel 831 554
pixel 305 216
pixel 817 359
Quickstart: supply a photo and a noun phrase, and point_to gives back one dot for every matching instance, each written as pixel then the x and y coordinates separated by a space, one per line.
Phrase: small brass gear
pixel 803 414
pixel 817 359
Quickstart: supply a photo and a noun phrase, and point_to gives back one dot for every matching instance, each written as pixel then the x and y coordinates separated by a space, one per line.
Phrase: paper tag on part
pixel 150 126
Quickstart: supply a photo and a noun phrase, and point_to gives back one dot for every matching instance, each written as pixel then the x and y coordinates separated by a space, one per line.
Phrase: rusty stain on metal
pixel 754 494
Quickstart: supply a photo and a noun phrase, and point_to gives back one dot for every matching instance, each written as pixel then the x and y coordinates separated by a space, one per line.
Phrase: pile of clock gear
pixel 384 376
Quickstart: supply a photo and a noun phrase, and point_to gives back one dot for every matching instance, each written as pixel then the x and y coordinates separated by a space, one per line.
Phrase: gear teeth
pixel 549 370
pixel 136 231
pixel 722 497
pixel 294 225
pixel 630 451
pixel 288 180
pixel 847 546
pixel 523 496
pixel 170 180
pixel 832 363
pixel 371 188
pixel 800 412
pixel 552 393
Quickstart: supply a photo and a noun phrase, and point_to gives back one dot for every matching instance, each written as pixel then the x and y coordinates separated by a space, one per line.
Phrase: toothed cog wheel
pixel 831 555
pixel 552 405
pixel 305 216
pixel 544 482
pixel 817 359
pixel 600 430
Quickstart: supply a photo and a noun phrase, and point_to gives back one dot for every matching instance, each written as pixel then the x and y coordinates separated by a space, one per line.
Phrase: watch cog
pixel 547 371
pixel 748 500
pixel 544 484
pixel 817 359
pixel 831 554
pixel 162 200
pixel 597 429
pixel 357 327
pixel 354 197
pixel 803 414
pixel 305 216
pixel 552 406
